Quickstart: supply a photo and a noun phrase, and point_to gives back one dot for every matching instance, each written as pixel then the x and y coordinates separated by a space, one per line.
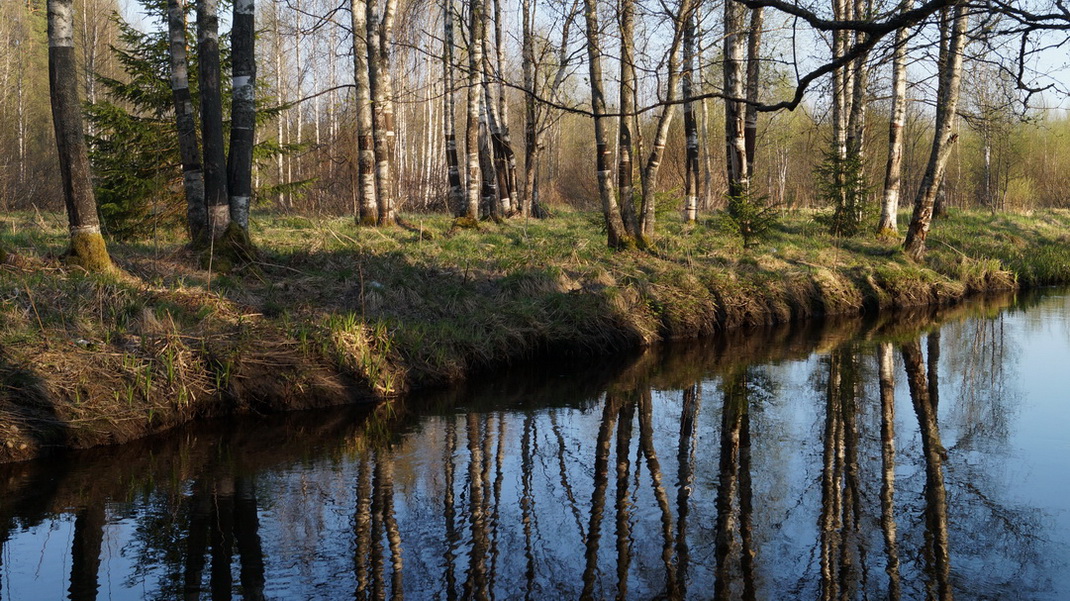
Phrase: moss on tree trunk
pixel 88 251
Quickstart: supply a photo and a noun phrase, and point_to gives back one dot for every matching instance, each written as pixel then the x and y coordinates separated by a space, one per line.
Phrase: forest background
pixel 1008 156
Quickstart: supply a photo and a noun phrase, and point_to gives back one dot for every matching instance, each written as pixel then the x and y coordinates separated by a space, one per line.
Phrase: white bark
pixel 943 138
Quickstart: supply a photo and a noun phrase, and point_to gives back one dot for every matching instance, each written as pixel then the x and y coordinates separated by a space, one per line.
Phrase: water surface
pixel 921 455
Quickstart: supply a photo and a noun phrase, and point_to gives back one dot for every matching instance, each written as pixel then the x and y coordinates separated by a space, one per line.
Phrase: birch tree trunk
pixel 616 235
pixel 706 199
pixel 215 174
pixel 888 224
pixel 691 161
pixel 856 118
pixel 754 45
pixel 242 112
pixel 628 84
pixel 189 149
pixel 87 245
pixel 661 132
pixel 496 191
pixel 293 159
pixel 503 139
pixel 385 138
pixel 281 119
pixel 840 110
pixel 537 117
pixel 738 177
pixel 368 212
pixel 487 163
pixel 943 139
pixel 380 28
pixel 449 100
pixel 531 151
pixel 475 92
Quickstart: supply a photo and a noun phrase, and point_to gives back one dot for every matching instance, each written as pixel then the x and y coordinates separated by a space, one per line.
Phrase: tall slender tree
pixel 734 87
pixel 754 66
pixel 475 94
pixel 943 138
pixel 208 67
pixel 661 131
pixel 692 184
pixel 188 146
pixel 88 249
pixel 527 67
pixel 617 236
pixel 538 118
pixel 888 224
pixel 368 209
pixel 498 112
pixel 380 40
pixel 242 114
pixel 449 100
pixel 628 120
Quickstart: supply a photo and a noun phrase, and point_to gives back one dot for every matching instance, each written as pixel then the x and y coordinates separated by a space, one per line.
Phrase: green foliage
pixel 842 183
pixel 750 217
pixel 133 144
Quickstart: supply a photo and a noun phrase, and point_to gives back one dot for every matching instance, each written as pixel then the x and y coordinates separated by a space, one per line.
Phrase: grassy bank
pixel 332 313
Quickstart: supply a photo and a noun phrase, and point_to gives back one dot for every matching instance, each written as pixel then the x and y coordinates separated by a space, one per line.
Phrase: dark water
pixel 771 465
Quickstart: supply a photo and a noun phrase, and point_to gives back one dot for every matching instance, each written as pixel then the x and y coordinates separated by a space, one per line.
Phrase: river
pixel 921 454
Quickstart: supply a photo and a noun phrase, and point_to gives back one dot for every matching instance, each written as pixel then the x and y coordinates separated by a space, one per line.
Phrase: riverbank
pixel 332 313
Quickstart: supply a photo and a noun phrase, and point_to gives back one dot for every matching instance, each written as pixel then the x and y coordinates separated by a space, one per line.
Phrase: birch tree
pixel 538 118
pixel 243 114
pixel 189 148
pixel 661 131
pixel 943 138
pixel 888 224
pixel 475 93
pixel 215 174
pixel 750 119
pixel 527 62
pixel 380 27
pixel 498 115
pixel 735 115
pixel 617 236
pixel 449 96
pixel 368 211
pixel 628 121
pixel 87 249
pixel 692 186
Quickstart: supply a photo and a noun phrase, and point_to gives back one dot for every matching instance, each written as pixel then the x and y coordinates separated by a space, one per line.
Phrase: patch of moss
pixel 89 252
pixel 888 235
pixel 464 223
pixel 233 248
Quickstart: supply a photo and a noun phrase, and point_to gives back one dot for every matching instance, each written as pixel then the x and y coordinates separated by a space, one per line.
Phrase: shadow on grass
pixel 28 415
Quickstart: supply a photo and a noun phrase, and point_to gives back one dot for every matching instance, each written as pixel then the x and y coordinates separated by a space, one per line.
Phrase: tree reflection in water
pixel 924 395
pixel 223 518
pixel 734 484
pixel 886 380
pixel 624 483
